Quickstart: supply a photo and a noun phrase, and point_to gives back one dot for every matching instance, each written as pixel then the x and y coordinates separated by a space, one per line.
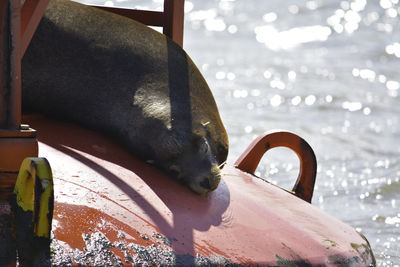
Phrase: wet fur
pixel 119 77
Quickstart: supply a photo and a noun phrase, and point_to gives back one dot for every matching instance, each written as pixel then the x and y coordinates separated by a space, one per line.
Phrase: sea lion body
pixel 117 76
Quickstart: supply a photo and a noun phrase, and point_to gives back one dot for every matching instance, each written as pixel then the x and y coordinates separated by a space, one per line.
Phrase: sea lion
pixel 117 76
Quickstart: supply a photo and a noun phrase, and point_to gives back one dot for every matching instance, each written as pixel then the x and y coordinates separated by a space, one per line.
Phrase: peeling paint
pixel 98 251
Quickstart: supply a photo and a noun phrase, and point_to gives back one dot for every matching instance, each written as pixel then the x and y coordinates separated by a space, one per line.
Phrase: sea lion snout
pixel 199 178
pixel 206 182
pixel 196 166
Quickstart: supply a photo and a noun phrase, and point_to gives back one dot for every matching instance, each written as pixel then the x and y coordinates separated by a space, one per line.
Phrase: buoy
pixel 111 207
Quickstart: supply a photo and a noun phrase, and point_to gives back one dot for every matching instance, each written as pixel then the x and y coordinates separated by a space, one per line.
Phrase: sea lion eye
pixel 174 170
pixel 203 149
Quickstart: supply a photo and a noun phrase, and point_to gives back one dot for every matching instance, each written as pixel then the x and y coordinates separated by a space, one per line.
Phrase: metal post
pixel 10 65
pixel 173 20
pixel 16 142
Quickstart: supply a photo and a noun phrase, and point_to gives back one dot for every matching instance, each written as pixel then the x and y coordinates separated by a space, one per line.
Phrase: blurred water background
pixel 328 70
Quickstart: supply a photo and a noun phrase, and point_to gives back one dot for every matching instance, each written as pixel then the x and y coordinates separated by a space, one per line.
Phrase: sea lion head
pixel 193 162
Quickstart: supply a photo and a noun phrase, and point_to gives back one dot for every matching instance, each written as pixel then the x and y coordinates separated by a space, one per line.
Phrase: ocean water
pixel 327 70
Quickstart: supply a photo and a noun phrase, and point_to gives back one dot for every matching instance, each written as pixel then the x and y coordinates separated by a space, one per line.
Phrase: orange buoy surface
pixel 111 207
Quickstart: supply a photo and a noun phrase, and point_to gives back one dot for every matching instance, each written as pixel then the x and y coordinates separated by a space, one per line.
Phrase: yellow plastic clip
pixel 34 193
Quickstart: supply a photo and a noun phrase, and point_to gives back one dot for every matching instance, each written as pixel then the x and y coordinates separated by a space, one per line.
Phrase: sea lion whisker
pixel 222 165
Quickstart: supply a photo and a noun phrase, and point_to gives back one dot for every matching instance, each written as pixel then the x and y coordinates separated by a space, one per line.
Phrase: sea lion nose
pixel 205 183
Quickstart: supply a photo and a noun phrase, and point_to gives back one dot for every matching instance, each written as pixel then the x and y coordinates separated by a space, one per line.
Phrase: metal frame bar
pixel 171 19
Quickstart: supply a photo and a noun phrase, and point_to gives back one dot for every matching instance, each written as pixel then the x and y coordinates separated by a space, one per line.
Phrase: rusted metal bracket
pixel 304 186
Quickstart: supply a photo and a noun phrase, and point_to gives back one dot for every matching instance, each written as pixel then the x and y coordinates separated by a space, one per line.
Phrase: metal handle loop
pixel 304 186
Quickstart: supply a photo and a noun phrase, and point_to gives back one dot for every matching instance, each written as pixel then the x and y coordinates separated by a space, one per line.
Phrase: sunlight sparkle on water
pixel 352 17
pixel 267 74
pixel 310 100
pixel 215 24
pixel 248 129
pixel 365 74
pixel 292 75
pixel 203 14
pixel 232 29
pixel 312 5
pixel 255 92
pixel 392 220
pixel 367 111
pixel 276 100
pixel 109 3
pixel 277 40
pixel 188 6
pixel 392 85
pixel 352 106
pixel 393 49
pixel 358 5
pixel 220 75
pixel 328 98
pixel 348 18
pixel 270 17
pixel 230 76
pixel 296 100
pixel 293 9
pixel 345 5
pixel 391 13
pixel 240 93
pixel 385 4
pixel 277 84
pixel 382 78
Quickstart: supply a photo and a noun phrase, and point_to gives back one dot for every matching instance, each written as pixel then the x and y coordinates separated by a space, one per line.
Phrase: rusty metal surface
pixel 7 182
pixel 304 186
pixel 101 189
pixel 14 150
